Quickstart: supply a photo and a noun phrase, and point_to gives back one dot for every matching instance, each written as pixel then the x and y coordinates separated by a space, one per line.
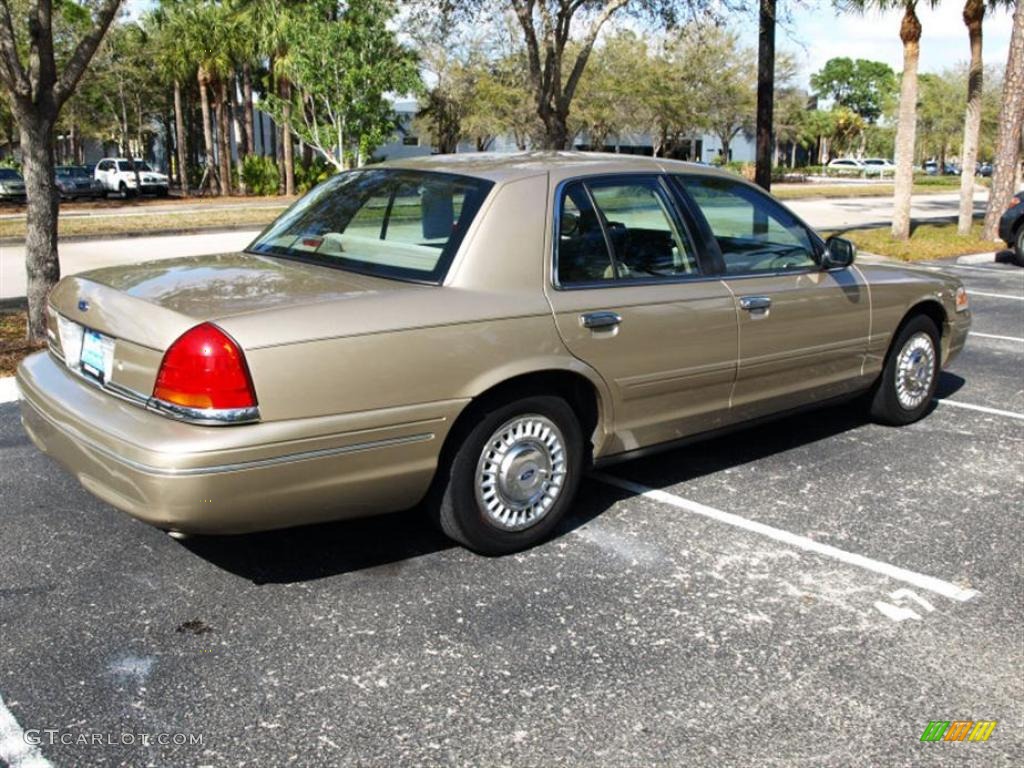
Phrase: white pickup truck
pixel 118 174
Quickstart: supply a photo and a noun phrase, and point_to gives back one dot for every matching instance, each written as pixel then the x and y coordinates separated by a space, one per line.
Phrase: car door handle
pixel 597 320
pixel 753 303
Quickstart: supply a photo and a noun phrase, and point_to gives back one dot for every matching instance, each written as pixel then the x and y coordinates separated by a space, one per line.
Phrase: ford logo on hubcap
pixel 83 305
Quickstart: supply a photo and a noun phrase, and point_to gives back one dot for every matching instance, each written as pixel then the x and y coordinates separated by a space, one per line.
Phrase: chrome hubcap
pixel 915 371
pixel 521 472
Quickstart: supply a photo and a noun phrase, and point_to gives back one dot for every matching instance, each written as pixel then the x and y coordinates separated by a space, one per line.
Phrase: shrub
pixel 308 176
pixel 259 176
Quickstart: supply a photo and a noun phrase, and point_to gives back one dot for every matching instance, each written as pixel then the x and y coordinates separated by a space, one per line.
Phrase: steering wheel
pixel 791 257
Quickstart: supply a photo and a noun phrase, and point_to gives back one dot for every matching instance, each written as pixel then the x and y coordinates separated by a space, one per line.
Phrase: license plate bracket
pixel 97 357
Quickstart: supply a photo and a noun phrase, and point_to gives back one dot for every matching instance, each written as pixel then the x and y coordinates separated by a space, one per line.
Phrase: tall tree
pixel 38 87
pixel 729 103
pixel 862 85
pixel 1011 116
pixel 341 66
pixel 765 93
pixel 974 16
pixel 906 126
pixel 555 59
pixel 177 65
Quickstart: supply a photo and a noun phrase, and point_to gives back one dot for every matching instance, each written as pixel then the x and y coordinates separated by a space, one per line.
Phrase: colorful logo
pixel 958 730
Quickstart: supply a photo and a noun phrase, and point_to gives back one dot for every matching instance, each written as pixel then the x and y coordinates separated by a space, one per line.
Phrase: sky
pixel 818 34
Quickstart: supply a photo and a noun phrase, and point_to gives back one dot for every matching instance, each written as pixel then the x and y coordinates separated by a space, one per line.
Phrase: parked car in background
pixel 12 186
pixel 845 166
pixel 1011 227
pixel 118 174
pixel 76 181
pixel 878 166
pixel 931 167
pixel 984 170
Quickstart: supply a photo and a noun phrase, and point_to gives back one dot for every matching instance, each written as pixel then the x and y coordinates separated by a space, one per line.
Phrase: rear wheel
pixel 1019 250
pixel 512 477
pixel 911 374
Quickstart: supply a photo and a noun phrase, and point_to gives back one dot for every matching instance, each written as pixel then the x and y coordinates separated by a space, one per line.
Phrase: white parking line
pixel 982 409
pixel 995 295
pixel 994 336
pixel 14 750
pixel 919 580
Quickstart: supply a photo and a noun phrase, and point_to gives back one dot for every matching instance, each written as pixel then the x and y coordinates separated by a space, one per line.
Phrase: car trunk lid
pixel 115 324
pixel 153 303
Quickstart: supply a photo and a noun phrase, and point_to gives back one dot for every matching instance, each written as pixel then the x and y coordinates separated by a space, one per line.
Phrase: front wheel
pixel 512 477
pixel 911 374
pixel 1019 250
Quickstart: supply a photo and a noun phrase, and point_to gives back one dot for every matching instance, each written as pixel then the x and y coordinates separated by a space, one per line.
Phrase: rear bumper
pixel 236 479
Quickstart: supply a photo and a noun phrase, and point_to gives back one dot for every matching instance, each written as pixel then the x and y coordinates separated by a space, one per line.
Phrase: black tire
pixel 454 502
pixel 1019 249
pixel 888 406
pixel 125 192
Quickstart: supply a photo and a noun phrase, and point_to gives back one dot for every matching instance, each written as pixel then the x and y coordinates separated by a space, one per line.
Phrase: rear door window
pixel 618 229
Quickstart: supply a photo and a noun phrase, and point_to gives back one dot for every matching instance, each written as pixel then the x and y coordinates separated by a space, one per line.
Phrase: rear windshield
pixel 384 222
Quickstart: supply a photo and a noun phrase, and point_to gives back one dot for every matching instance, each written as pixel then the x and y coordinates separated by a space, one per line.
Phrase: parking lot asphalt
pixel 809 592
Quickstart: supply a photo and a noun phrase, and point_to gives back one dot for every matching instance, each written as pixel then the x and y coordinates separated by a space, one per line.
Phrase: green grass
pixel 927 241
pixel 214 218
pixel 804 191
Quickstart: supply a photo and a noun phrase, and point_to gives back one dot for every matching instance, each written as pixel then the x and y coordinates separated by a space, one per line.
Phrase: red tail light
pixel 204 369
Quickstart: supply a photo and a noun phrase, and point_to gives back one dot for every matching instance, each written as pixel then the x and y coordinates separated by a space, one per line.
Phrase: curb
pixel 152 233
pixel 8 390
pixel 977 258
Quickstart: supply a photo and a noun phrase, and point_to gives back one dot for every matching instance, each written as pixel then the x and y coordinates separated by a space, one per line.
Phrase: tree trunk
pixel 180 141
pixel 204 106
pixel 765 94
pixel 242 142
pixel 906 129
pixel 223 137
pixel 556 128
pixel 41 262
pixel 287 150
pixel 247 110
pixel 1011 116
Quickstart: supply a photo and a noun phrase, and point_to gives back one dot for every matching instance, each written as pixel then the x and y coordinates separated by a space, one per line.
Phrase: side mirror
pixel 839 253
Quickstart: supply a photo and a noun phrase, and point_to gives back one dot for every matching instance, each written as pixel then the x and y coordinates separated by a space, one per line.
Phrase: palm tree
pixel 177 62
pixel 207 32
pixel 1011 124
pixel 974 15
pixel 266 20
pixel 906 127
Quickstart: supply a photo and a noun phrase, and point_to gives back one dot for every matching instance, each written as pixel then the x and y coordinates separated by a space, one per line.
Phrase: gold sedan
pixel 472 332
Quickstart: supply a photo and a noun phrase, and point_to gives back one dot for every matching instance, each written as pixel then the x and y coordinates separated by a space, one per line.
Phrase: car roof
pixel 507 166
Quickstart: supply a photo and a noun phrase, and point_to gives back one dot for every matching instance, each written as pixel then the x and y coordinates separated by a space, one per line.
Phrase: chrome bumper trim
pixel 287 458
